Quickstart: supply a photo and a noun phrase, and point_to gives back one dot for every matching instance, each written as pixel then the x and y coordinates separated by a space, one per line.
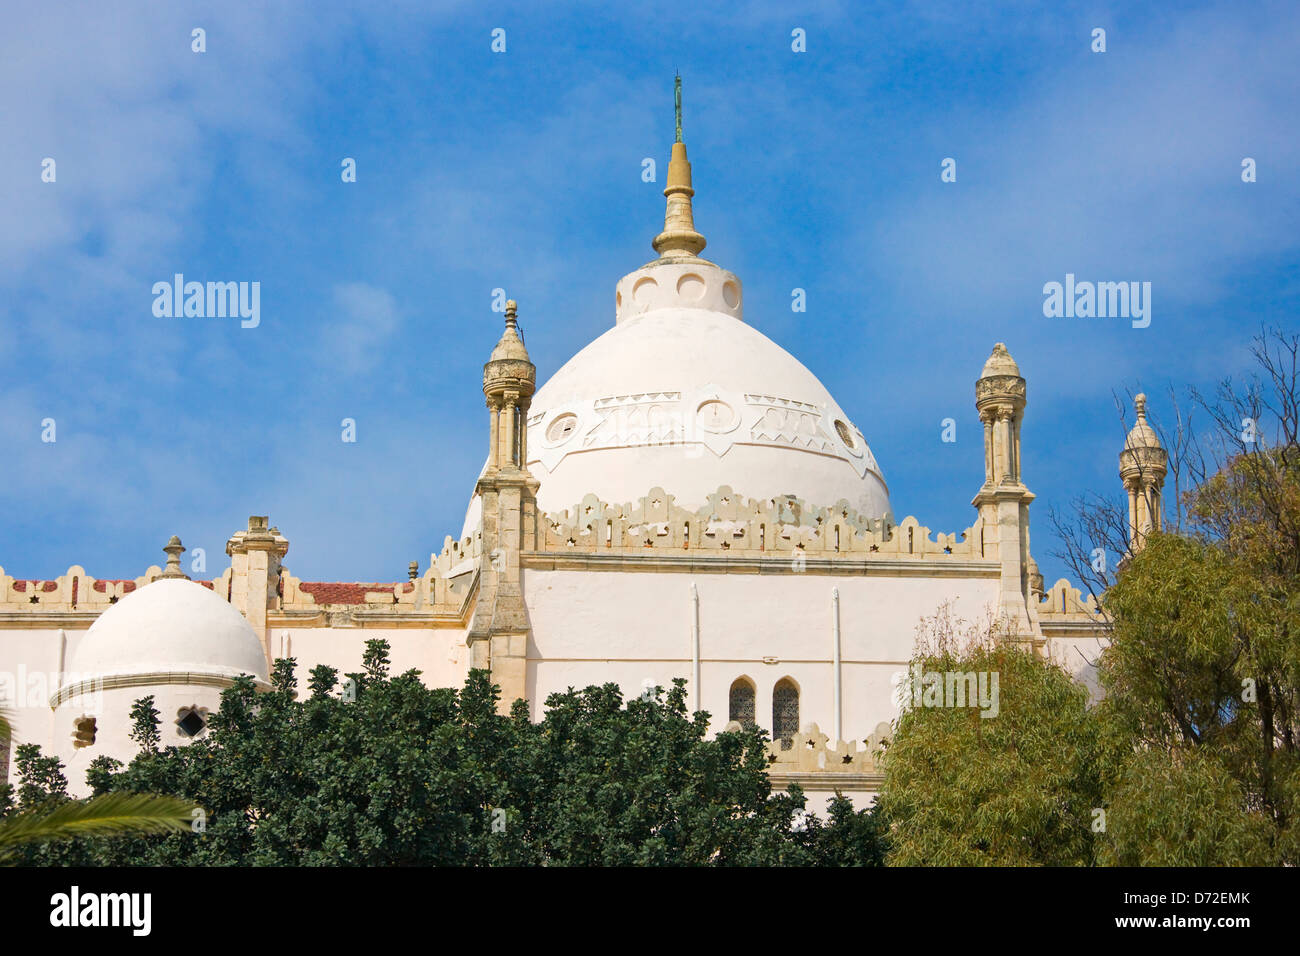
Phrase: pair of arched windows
pixel 785 708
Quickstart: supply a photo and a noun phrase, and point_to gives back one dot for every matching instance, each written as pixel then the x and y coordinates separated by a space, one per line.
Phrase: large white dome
pixel 170 625
pixel 684 395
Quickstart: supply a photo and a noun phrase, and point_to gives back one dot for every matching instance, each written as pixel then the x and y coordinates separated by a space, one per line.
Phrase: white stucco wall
pixel 590 627
pixel 438 654
pixel 29 673
pixel 112 710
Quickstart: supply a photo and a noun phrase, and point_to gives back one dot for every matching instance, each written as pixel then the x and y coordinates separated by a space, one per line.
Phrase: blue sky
pixel 522 170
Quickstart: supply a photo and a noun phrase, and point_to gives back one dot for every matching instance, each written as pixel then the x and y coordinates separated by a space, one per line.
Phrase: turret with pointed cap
pixel 509 379
pixel 1143 465
pixel 498 634
pixel 1003 501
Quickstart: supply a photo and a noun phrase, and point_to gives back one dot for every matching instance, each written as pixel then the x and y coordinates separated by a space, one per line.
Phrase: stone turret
pixel 498 635
pixel 1003 500
pixel 1143 465
pixel 255 557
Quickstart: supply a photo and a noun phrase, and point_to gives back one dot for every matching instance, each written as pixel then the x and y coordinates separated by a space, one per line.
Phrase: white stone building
pixel 683 498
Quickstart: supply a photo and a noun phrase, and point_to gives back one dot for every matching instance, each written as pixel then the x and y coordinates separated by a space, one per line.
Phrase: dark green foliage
pixel 396 773
pixel 144 730
pixel 849 837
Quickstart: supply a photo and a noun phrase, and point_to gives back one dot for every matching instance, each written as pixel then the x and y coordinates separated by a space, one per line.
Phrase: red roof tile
pixel 102 585
pixel 45 586
pixel 342 592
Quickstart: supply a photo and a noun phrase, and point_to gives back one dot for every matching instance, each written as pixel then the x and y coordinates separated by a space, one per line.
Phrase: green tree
pixel 144 724
pixel 46 814
pixel 848 837
pixel 1014 789
pixel 1203 669
pixel 638 783
pixel 1182 807
pixel 396 773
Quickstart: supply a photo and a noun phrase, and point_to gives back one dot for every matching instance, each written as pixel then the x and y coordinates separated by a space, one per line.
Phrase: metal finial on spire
pixel 677 96
pixel 679 238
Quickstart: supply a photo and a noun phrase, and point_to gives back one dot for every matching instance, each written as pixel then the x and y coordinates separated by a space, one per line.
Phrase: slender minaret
pixel 1003 500
pixel 498 635
pixel 1143 465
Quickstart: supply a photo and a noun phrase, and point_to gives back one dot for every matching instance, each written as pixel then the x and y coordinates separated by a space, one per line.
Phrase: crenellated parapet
pixel 818 764
pixel 1063 602
pixel 73 591
pixel 736 525
pixel 441 595
pixel 430 592
pixel 812 751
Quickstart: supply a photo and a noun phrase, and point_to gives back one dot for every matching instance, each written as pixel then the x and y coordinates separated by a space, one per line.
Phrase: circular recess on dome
pixel 644 291
pixel 715 415
pixel 730 294
pixel 845 434
pixel 690 287
pixel 562 428
pixel 618 300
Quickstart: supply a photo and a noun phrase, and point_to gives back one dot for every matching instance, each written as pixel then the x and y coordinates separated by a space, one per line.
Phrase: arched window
pixel 785 712
pixel 741 703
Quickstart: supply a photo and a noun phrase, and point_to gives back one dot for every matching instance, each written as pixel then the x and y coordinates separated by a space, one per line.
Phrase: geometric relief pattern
pixel 673 417
pixel 741 526
pixel 787 422
pixel 647 418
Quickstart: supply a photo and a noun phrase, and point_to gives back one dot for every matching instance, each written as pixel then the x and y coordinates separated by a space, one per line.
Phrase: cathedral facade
pixel 683 498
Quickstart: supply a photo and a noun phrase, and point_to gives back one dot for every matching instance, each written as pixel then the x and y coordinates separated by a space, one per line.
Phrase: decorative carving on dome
pixel 787 421
pixel 738 525
pixel 646 418
pixel 715 415
pixel 709 416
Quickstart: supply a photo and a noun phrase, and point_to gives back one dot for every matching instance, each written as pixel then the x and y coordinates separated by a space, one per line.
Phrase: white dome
pixel 685 396
pixel 170 626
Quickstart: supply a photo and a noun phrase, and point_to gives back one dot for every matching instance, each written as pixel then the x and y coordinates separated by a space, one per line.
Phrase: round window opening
pixel 562 428
pixel 846 436
pixel 715 415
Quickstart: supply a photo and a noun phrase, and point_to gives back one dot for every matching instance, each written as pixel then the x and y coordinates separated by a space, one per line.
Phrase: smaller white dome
pixel 170 626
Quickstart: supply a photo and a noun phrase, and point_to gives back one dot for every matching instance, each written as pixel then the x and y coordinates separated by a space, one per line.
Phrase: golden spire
pixel 679 237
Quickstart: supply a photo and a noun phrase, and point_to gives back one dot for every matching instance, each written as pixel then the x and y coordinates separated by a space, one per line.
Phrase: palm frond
pixel 111 814
pixel 6 727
